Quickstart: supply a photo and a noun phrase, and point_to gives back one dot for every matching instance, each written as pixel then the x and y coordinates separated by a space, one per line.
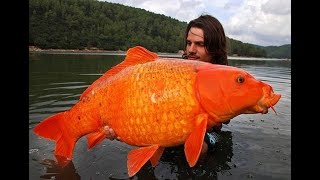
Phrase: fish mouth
pixel 268 100
pixel 269 103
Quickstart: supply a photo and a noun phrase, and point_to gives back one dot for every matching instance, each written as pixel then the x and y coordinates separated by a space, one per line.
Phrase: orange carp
pixel 154 103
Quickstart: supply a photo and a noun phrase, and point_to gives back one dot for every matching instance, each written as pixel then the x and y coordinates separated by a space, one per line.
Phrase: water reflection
pixel 54 171
pixel 217 160
pixel 172 165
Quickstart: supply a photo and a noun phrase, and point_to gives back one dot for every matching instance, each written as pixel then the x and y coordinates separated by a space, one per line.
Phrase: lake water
pixel 252 146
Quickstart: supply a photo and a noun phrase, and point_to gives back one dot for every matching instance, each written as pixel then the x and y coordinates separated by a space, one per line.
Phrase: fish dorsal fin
pixel 193 144
pixel 138 157
pixel 135 55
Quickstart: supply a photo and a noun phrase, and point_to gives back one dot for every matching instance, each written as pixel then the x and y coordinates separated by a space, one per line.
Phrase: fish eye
pixel 240 79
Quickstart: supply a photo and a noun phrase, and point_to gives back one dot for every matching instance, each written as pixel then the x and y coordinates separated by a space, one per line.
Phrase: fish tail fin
pixel 138 157
pixel 51 128
pixel 48 128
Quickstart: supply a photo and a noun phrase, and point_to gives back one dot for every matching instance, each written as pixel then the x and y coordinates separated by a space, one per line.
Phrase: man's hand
pixel 110 133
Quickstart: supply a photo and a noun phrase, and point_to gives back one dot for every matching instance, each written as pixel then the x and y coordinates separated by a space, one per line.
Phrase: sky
pixel 260 22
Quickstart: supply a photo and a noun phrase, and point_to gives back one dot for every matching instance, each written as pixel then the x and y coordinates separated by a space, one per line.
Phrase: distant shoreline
pixel 86 50
pixel 97 51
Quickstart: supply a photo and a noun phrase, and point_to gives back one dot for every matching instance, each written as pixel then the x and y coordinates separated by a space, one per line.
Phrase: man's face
pixel 195 46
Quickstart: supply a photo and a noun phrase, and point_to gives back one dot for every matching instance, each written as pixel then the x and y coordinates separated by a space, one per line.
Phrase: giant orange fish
pixel 154 103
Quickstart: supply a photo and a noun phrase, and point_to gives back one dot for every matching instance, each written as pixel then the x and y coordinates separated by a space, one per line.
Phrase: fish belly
pixel 153 103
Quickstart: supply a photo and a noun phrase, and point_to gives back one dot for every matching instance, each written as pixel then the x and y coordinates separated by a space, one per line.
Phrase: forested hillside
pixel 74 24
pixel 278 51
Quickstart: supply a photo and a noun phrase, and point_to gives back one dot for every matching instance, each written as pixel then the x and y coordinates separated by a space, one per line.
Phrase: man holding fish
pixel 154 103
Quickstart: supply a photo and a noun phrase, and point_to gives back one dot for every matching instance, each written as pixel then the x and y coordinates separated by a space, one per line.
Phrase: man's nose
pixel 192 48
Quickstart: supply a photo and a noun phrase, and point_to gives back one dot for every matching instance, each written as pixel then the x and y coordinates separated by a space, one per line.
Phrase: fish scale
pixel 157 104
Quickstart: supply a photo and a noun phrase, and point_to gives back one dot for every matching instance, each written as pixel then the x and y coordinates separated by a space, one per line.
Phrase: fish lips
pixel 273 101
pixel 264 104
pixel 269 99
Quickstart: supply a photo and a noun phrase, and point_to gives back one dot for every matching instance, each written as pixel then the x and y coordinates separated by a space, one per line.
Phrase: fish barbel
pixel 154 103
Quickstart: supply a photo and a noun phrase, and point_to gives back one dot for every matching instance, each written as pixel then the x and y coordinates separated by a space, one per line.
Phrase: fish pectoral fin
pixel 138 157
pixel 157 155
pixel 95 138
pixel 193 144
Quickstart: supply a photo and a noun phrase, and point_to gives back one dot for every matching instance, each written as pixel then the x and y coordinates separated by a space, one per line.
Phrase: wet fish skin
pixel 154 103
